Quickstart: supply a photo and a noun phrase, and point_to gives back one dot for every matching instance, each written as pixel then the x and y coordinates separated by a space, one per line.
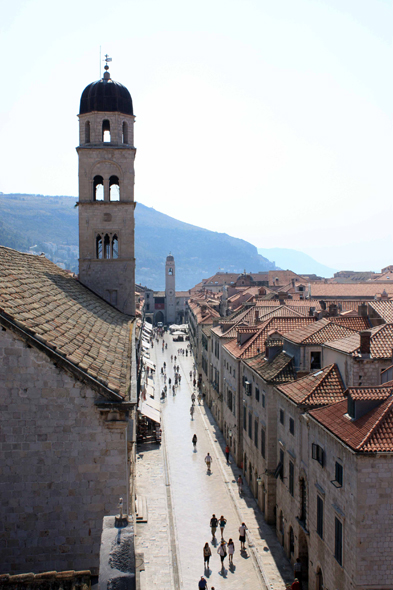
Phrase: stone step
pixel 141 509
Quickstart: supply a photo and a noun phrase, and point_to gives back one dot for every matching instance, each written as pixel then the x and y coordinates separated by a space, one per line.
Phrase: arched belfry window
pixel 87 132
pixel 170 271
pixel 107 247
pixel 98 188
pixel 98 247
pixel 125 132
pixel 115 247
pixel 106 131
pixel 114 189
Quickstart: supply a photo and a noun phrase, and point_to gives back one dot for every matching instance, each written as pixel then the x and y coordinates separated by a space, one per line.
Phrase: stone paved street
pixel 173 538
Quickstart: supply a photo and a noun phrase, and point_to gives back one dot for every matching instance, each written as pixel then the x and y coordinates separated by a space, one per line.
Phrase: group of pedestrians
pixel 224 548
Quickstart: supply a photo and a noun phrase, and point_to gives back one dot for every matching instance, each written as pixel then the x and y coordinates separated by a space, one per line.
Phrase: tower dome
pixel 106 95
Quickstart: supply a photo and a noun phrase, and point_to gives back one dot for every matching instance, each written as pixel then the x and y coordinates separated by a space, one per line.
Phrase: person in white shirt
pixel 242 536
pixel 208 461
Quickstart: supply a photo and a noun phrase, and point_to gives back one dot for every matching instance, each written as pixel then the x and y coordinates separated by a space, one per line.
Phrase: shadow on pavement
pixel 266 531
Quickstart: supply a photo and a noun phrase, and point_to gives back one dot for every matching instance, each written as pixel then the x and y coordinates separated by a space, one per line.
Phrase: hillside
pixel 51 225
pixel 297 261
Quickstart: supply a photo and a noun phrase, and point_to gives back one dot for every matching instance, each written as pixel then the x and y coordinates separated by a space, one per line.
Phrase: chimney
pixel 365 343
pixel 362 310
pixel 333 310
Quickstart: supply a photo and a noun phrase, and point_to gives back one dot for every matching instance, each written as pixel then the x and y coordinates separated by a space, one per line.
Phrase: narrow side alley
pixel 182 496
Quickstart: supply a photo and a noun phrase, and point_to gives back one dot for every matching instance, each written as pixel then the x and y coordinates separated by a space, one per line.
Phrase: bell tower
pixel 170 290
pixel 106 155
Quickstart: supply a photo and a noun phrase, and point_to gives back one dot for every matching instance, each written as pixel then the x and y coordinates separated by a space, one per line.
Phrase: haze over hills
pixel 297 261
pixel 51 225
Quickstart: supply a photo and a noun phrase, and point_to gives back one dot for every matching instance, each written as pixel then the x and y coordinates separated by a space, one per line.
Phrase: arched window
pixel 107 246
pixel 125 132
pixel 281 526
pixel 106 131
pixel 98 188
pixel 87 132
pixel 303 501
pixel 291 542
pixel 170 271
pixel 115 247
pixel 114 189
pixel 99 247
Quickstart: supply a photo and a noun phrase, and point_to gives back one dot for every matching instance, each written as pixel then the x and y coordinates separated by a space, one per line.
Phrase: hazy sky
pixel 269 120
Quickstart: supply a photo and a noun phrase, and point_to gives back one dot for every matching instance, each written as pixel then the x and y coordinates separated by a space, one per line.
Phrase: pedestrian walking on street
pixel 222 552
pixel 242 536
pixel 207 552
pixel 208 461
pixel 190 375
pixel 194 440
pixel 213 525
pixel 202 584
pixel 240 484
pixel 227 454
pixel 223 522
pixel 231 551
pixel 297 570
pixel 296 585
pixel 192 410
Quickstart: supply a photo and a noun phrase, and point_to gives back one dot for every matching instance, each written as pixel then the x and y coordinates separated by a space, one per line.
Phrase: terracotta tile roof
pixel 384 309
pixel 370 393
pixel 318 333
pixel 353 323
pixel 279 311
pixel 381 343
pixel 256 344
pixel 81 327
pixel 203 313
pixel 279 370
pixel 372 433
pixel 316 389
pixel 348 290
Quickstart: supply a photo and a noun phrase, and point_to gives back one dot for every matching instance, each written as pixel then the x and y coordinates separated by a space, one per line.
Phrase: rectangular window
pixel 229 399
pixel 234 373
pixel 263 443
pixel 291 478
pixel 338 541
pixel 282 463
pixel 292 426
pixel 315 360
pixel 245 418
pixel 256 433
pixel 281 416
pixel 257 394
pixel 263 400
pixel 318 454
pixel 320 516
pixel 250 425
pixel 339 474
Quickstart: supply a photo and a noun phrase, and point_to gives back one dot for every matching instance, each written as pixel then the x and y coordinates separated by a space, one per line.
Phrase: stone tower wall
pixel 112 279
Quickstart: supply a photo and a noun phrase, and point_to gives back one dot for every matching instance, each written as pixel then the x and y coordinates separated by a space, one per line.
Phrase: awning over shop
pixel 150 412
pixel 148 363
pixel 145 344
pixel 149 390
pixel 153 404
pixel 147 327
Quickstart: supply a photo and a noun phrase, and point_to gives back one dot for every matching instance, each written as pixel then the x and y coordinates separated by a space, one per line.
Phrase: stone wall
pixel 62 464
pixel 374 522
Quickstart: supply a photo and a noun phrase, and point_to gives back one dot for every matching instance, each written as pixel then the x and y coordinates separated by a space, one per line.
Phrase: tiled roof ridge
pixel 378 423
pixel 324 375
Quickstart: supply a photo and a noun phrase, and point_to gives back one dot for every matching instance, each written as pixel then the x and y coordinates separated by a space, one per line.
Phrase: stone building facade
pixel 68 397
pixel 169 306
